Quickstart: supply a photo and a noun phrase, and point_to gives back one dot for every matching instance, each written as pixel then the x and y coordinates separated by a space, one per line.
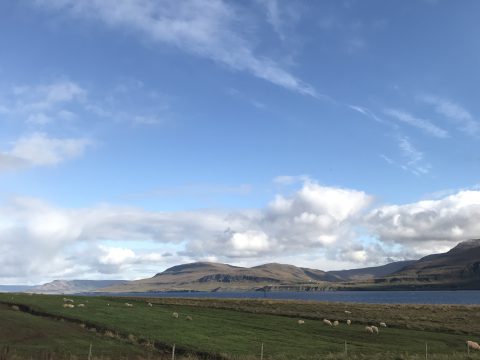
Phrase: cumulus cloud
pixel 428 225
pixel 316 226
pixel 211 30
pixel 312 218
pixel 38 149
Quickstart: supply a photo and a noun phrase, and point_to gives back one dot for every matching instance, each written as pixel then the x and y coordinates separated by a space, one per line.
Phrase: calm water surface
pixel 371 297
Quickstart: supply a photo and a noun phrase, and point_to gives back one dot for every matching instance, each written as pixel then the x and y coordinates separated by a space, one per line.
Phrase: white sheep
pixel 175 315
pixel 81 305
pixel 369 329
pixel 349 322
pixel 300 322
pixel 473 345
pixel 189 318
pixel 382 324
pixel 68 306
pixel 68 300
pixel 347 312
pixel 128 305
pixel 150 304
pixel 327 322
pixel 335 323
pixel 375 329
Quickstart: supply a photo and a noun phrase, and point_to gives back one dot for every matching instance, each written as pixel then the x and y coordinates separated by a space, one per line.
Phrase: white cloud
pixel 365 111
pixel 284 180
pixel 38 149
pixel 454 112
pixel 419 123
pixel 42 104
pixel 429 225
pixel 281 16
pixel 207 29
pixel 309 220
pixel 414 158
pixel 315 226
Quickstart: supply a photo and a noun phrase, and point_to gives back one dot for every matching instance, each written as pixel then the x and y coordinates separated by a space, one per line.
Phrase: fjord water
pixel 463 297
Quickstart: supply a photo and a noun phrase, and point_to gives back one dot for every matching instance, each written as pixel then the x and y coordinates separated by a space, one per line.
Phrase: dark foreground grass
pixel 236 329
pixel 25 335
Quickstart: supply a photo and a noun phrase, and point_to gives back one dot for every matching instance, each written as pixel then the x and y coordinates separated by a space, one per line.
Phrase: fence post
pixel 346 349
pixel 90 352
pixel 261 352
pixel 426 351
pixel 173 352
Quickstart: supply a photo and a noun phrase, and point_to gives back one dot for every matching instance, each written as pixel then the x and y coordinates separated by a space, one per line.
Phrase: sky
pixel 140 134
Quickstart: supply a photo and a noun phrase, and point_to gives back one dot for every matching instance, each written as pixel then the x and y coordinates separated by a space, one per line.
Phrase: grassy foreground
pixel 235 329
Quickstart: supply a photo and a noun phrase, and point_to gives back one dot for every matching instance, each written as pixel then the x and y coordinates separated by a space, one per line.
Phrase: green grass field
pixel 237 328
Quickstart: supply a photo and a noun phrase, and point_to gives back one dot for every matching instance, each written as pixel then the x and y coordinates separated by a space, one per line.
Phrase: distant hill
pixel 206 276
pixel 369 273
pixel 72 286
pixel 458 268
pixel 14 288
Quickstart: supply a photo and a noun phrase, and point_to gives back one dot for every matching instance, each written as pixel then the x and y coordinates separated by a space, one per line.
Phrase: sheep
pixel 375 329
pixel 349 322
pixel 175 315
pixel 68 300
pixel 347 312
pixel 149 304
pixel 300 322
pixel 128 305
pixel 382 324
pixel 15 308
pixel 81 305
pixel 335 323
pixel 71 306
pixel 369 329
pixel 108 304
pixel 327 322
pixel 189 318
pixel 473 345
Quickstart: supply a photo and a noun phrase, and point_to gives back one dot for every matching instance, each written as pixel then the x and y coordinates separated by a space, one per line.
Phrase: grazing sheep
pixel 300 322
pixel 15 308
pixel 347 312
pixel 375 329
pixel 327 322
pixel 150 304
pixel 349 322
pixel 369 329
pixel 189 318
pixel 68 300
pixel 175 315
pixel 128 305
pixel 81 305
pixel 382 324
pixel 108 304
pixel 335 323
pixel 71 306
pixel 473 345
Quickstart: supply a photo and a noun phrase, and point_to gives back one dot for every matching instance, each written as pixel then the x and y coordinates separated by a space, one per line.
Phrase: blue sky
pixel 139 134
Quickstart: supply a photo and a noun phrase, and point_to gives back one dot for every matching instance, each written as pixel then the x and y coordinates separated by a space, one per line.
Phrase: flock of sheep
pixel 69 304
pixel 371 329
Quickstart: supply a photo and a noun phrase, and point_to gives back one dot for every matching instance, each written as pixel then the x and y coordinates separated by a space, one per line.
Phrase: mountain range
pixel 458 268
